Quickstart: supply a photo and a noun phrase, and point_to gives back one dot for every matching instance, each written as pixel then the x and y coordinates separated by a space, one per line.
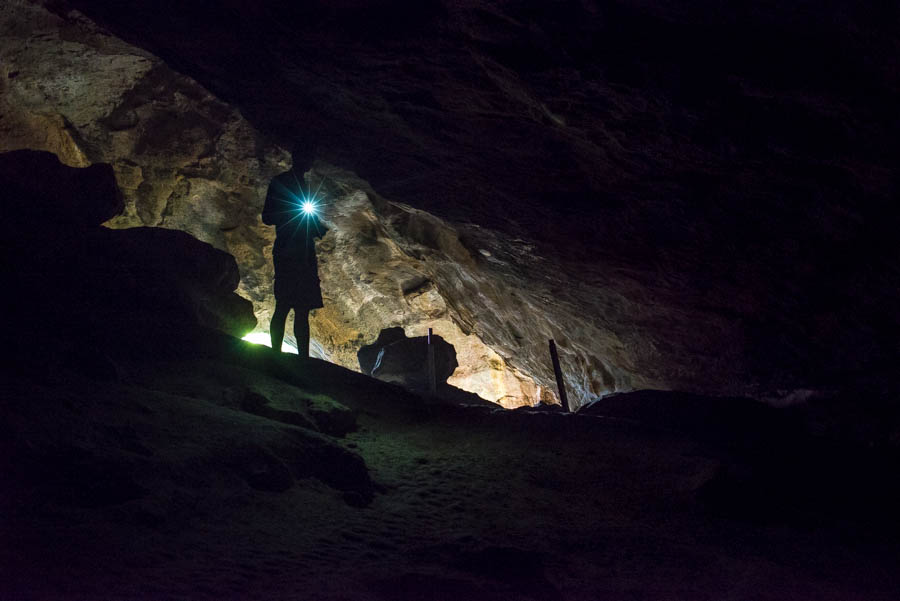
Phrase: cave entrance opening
pixel 380 266
pixel 287 345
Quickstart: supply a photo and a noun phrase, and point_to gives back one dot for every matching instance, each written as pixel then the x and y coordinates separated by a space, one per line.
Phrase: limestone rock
pixel 185 160
pixel 376 277
pixel 368 355
pixel 183 280
pixel 395 358
pixel 182 158
pixel 321 415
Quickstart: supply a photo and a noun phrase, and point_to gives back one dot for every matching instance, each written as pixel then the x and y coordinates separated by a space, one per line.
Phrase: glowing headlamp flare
pixel 308 207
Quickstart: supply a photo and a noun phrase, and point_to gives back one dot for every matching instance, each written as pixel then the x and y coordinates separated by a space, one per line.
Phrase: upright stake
pixel 432 385
pixel 564 399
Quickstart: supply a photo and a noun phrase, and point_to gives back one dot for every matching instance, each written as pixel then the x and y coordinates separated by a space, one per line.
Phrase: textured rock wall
pixel 185 160
pixel 182 158
pixel 385 265
pixel 495 298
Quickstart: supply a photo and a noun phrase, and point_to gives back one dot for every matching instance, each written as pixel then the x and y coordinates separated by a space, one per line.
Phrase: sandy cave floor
pixel 469 503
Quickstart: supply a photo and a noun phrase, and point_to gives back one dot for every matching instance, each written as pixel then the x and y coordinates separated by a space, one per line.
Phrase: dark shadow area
pixel 774 470
pixel 82 292
pixel 87 302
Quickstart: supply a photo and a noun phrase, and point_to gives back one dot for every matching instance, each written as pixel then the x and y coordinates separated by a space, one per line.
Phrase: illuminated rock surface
pixel 185 160
pixel 385 265
pixel 182 158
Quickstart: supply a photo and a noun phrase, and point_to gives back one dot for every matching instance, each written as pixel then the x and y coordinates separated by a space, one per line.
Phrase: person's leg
pixel 276 326
pixel 301 330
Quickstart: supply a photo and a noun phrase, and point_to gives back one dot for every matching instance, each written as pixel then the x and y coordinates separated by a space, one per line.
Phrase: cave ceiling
pixel 693 197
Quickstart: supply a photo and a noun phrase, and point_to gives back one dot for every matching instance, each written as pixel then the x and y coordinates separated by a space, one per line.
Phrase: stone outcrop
pixel 182 158
pixel 387 265
pixel 86 291
pixel 395 358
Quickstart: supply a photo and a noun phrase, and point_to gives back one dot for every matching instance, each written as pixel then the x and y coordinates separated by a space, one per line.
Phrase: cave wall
pixel 183 158
pixel 493 296
pixel 376 275
pixel 683 198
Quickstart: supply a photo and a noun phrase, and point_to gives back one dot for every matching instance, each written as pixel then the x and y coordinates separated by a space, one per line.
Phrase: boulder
pixel 404 360
pixel 74 284
pixel 177 279
pixel 321 415
pixel 368 355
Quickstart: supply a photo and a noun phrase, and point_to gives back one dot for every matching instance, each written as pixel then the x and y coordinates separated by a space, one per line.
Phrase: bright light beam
pixel 263 339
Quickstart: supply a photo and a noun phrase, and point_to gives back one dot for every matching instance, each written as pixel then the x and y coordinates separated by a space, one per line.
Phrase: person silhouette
pixel 297 284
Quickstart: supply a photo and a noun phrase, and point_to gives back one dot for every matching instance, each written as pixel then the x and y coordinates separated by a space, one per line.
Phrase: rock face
pixel 387 265
pixel 682 198
pixel 182 158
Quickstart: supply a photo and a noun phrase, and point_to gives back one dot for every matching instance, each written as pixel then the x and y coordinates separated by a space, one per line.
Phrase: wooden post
pixel 564 399
pixel 432 385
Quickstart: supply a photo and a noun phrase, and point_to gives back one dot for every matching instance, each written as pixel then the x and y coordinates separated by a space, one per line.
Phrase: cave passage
pixel 264 339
